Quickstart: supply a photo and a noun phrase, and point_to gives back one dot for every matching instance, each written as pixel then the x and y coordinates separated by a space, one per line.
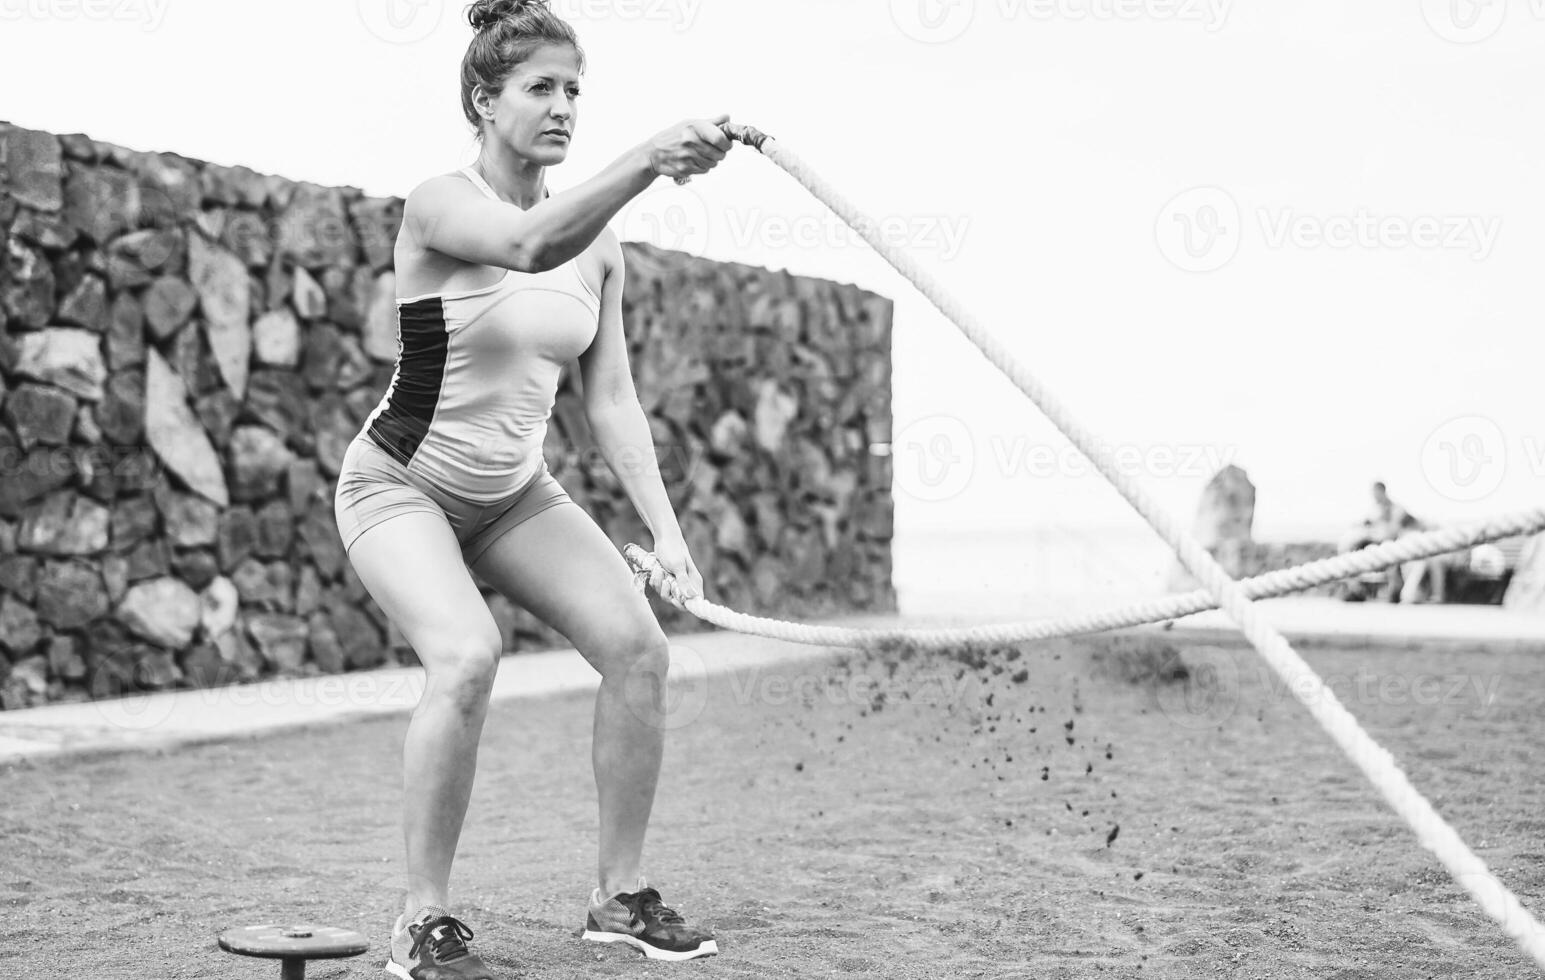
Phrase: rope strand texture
pixel 647 569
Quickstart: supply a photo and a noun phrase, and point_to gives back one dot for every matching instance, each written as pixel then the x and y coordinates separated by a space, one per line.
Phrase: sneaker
pixel 642 921
pixel 434 947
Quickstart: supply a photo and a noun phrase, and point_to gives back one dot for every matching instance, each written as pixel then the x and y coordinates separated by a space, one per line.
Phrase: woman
pixel 500 285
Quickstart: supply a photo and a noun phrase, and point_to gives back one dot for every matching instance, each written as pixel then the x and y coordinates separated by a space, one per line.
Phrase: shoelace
pixel 446 936
pixel 650 904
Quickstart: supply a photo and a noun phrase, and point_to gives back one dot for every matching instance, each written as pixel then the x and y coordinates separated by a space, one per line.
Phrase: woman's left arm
pixel 621 429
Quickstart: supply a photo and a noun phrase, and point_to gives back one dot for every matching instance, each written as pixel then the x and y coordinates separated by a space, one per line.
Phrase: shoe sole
pixel 708 947
pixel 396 970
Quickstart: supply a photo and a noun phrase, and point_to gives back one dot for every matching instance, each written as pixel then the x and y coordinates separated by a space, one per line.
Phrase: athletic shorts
pixel 374 487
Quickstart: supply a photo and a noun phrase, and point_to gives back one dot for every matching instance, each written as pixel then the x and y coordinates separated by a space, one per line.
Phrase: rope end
pixel 749 135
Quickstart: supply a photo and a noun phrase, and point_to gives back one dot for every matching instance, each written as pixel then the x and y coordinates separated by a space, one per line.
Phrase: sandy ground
pixel 1119 806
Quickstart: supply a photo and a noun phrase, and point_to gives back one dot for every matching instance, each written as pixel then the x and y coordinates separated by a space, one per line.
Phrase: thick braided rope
pixel 1283 582
pixel 1377 764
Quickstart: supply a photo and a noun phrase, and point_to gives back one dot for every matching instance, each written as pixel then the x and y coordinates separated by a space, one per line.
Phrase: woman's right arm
pixel 450 216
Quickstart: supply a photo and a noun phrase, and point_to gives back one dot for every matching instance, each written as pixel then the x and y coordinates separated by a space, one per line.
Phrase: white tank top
pixel 476 376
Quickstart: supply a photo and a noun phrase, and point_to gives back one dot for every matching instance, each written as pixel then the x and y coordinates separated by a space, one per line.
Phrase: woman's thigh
pixel 561 566
pixel 413 569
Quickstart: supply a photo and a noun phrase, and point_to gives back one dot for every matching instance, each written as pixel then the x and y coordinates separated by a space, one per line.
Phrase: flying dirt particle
pixel 1108 752
pixel 1070 740
pixel 799 767
pixel 1088 768
pixel 1068 724
pixel 989 699
pixel 1110 838
pixel 1008 823
pixel 1138 876
pixel 1020 676
pixel 1032 729
pixel 1045 773
pixel 1084 814
pixel 1009 758
pixel 1068 805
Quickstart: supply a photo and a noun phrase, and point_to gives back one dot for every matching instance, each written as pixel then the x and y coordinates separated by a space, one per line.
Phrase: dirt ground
pixel 1116 806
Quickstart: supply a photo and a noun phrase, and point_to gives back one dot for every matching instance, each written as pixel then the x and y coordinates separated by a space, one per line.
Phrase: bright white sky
pixel 1036 155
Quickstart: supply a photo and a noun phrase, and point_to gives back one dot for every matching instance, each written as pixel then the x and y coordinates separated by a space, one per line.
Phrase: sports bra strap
pixel 482 185
pixel 477 179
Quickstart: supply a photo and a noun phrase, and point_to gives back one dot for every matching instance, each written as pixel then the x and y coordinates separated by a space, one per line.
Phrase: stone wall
pixel 186 350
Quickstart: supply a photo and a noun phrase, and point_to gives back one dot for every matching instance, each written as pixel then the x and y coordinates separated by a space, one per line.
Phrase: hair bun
pixel 486 13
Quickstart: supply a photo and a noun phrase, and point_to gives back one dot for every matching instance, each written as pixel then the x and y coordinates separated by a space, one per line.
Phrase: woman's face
pixel 537 111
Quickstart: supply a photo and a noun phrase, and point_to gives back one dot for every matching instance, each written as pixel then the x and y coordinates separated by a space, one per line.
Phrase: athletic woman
pixel 500 285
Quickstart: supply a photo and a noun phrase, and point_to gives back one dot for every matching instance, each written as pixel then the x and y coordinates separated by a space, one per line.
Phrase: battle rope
pixel 1376 763
pixel 647 569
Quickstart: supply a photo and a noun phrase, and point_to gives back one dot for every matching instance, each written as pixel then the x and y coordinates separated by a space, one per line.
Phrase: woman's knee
pixel 460 668
pixel 642 651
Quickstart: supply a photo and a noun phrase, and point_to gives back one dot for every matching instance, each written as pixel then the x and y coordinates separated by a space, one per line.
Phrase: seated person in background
pixel 1386 521
pixel 1389 519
